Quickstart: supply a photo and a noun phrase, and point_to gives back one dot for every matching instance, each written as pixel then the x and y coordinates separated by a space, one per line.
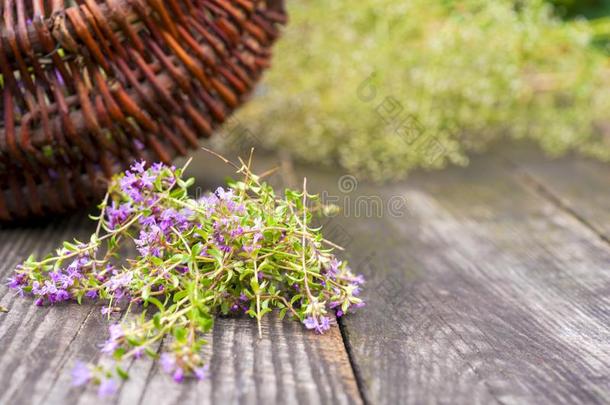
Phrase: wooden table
pixel 489 284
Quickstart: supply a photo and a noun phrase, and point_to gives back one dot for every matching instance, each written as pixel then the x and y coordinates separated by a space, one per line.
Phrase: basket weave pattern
pixel 88 86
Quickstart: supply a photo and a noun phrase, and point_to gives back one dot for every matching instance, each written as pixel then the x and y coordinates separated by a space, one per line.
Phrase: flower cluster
pixel 239 250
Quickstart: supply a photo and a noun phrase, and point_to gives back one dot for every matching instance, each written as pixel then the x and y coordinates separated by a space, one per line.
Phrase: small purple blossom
pixel 109 346
pixel 168 363
pixel 319 325
pixel 17 280
pixel 149 242
pixel 334 268
pixel 108 387
pixel 201 372
pixel 92 294
pixel 81 374
pixel 358 305
pixel 178 375
pixel 138 167
pixel 119 281
pixel 116 331
pixel 117 214
pixel 223 194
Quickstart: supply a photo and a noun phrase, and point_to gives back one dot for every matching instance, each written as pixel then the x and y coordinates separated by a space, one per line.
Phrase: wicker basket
pixel 90 85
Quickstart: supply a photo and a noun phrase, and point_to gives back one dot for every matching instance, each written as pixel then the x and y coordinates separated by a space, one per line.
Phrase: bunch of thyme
pixel 239 250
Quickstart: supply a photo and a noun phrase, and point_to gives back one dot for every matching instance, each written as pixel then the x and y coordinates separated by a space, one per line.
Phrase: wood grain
pixel 489 284
pixel 38 347
pixel 579 185
pixel 483 291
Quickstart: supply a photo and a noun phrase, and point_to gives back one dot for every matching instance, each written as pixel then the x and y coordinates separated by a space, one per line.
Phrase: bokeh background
pixel 381 87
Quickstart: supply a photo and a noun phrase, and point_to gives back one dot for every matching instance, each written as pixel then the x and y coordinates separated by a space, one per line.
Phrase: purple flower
pixel 37 289
pixel 171 218
pixel 157 167
pixel 324 324
pixel 178 375
pixel 91 294
pixel 49 287
pixel 359 279
pixel 168 363
pixel 109 347
pixel 236 232
pixel 81 374
pixel 119 281
pixel 224 195
pixel 76 267
pixel 17 281
pixel 138 167
pixel 108 387
pixel 148 242
pixel 358 305
pixel 148 180
pixel 320 326
pixel 310 322
pixel 148 221
pixel 132 186
pixel 62 295
pixel 201 372
pixel 128 181
pixel 116 331
pixel 55 276
pixel 333 268
pixel 118 214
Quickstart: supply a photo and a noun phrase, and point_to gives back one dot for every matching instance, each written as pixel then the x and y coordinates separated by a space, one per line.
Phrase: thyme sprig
pixel 242 249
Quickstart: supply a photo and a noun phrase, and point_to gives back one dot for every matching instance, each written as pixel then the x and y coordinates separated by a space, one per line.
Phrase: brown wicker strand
pixel 89 86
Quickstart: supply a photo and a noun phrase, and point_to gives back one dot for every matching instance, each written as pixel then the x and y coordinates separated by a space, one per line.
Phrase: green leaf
pixel 157 303
pixel 146 292
pixel 157 320
pixel 180 334
pixel 122 373
pixel 205 323
pixel 118 353
pixel 133 341
pixel 180 295
pixel 69 246
pixel 254 284
pixel 150 352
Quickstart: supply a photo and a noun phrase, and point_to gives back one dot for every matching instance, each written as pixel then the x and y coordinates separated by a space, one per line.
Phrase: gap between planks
pixel 533 183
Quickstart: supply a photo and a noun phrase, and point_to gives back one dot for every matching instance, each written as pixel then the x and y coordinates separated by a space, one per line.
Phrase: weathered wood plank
pixel 579 185
pixel 38 347
pixel 483 292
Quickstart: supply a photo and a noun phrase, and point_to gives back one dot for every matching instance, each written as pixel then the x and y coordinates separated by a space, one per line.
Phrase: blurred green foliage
pixel 380 87
pixel 585 8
